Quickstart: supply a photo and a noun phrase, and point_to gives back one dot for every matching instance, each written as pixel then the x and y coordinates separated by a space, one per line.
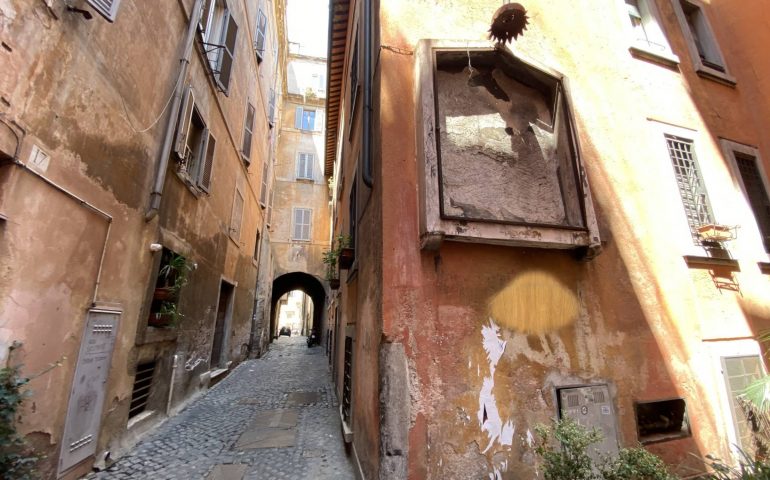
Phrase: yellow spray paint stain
pixel 535 302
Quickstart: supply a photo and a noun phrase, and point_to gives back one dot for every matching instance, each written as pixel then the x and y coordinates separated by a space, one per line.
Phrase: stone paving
pixel 271 418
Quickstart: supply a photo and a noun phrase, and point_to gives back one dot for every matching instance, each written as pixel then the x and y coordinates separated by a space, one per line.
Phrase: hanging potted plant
pixel 167 316
pixel 346 254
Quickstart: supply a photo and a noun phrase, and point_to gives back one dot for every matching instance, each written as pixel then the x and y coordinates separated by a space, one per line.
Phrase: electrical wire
pixel 162 112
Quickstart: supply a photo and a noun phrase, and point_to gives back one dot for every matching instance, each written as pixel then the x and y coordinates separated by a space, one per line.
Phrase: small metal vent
pixel 573 400
pixel 142 388
pixel 81 442
pixel 599 396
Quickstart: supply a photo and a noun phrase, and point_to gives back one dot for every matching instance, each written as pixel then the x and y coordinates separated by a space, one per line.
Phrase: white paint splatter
pixel 530 438
pixel 489 415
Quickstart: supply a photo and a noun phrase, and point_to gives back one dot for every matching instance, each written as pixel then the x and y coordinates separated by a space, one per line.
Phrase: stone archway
pixel 306 283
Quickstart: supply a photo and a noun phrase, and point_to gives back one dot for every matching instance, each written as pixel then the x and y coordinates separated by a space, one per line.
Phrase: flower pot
pixel 346 257
pixel 334 283
pixel 716 233
pixel 164 294
pixel 160 320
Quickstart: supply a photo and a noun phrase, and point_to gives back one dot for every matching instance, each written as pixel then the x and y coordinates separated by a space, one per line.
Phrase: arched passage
pixel 308 284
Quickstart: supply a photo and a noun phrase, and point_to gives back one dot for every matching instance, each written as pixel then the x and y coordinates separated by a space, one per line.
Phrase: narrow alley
pixel 274 417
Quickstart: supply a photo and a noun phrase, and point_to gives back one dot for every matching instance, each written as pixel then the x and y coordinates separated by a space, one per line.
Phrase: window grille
pixel 106 8
pixel 691 187
pixel 755 191
pixel 302 224
pixel 305 166
pixel 142 388
pixel 347 379
pixel 270 208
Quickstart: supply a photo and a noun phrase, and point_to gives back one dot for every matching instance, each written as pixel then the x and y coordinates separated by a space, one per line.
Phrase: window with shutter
pixel 263 192
pixel 301 224
pixel 756 194
pixel 248 130
pixel 298 117
pixel 227 52
pixel 305 166
pixel 261 36
pixel 237 214
pixel 318 121
pixel 106 8
pixel 270 208
pixel 271 108
pixel 204 181
pixel 203 23
pixel 308 120
pixel 183 126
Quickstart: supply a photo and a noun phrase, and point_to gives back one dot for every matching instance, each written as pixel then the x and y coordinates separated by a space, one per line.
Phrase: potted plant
pixel 716 233
pixel 345 252
pixel 330 260
pixel 172 276
pixel 167 316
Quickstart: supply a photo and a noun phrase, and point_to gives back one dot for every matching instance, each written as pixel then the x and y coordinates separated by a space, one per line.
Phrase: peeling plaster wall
pixel 489 332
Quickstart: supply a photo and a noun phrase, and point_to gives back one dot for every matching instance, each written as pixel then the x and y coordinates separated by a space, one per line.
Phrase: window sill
pixel 188 183
pixel 697 261
pixel 665 59
pixel 304 180
pixel 715 75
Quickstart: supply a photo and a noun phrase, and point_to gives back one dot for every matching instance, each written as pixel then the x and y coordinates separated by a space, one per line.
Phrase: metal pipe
pixel 165 152
pixel 366 171
pixel 88 206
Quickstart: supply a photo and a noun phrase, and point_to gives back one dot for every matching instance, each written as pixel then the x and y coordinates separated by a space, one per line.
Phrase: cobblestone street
pixel 271 418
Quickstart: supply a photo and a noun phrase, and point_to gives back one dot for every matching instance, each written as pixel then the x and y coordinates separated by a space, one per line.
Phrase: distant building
pixel 300 229
pixel 547 228
pixel 133 207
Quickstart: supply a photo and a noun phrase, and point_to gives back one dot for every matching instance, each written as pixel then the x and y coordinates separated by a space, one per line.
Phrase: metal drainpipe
pixel 366 171
pixel 160 174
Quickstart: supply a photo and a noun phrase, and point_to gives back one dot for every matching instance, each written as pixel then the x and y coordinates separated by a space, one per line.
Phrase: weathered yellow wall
pixel 63 84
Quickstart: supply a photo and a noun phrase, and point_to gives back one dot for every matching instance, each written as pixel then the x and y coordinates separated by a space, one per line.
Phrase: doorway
pixel 224 316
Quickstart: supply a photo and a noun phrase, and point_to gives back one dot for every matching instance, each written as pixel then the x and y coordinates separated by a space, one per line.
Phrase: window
pixel 739 373
pixel 270 208
pixel 265 184
pixel 701 41
pixel 661 420
pixel 271 108
pixel 261 35
pixel 692 190
pixel 353 212
pixel 256 247
pixel 219 32
pixel 248 133
pixel 353 74
pixel 302 224
pixel 194 145
pixel 305 166
pixel 648 38
pixel 106 8
pixel 747 167
pixel 236 216
pixel 310 120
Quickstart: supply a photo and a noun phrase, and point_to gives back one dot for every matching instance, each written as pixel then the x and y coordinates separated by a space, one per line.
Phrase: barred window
pixel 690 183
pixel 756 193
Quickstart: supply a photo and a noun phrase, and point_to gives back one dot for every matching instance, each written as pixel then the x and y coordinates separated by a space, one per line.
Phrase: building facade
pixel 132 194
pixel 300 232
pixel 547 228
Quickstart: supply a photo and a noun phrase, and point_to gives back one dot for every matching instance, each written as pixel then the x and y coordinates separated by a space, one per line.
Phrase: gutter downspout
pixel 165 152
pixel 366 171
